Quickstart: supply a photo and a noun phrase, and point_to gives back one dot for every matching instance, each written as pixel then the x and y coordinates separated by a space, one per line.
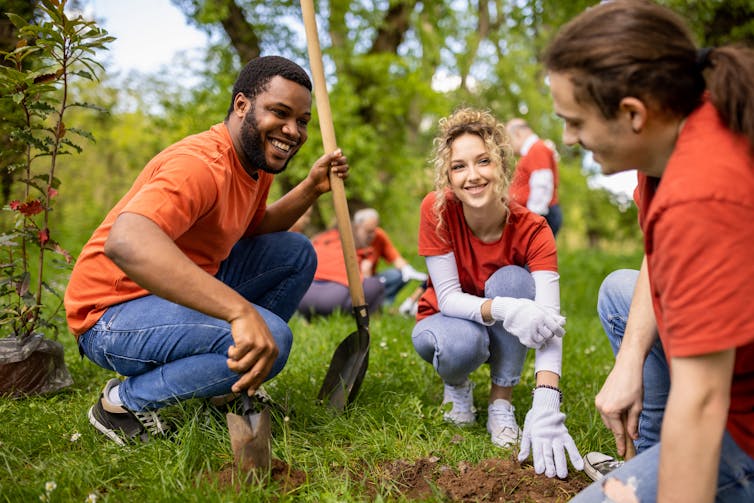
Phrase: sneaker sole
pixel 593 473
pixel 103 429
pixel 462 424
pixel 504 444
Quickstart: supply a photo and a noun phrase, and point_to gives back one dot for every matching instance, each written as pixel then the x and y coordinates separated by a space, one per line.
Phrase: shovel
pixel 349 362
pixel 250 437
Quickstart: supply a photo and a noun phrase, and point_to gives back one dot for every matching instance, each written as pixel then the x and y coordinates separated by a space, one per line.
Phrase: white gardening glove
pixel 533 324
pixel 409 307
pixel 408 273
pixel 546 436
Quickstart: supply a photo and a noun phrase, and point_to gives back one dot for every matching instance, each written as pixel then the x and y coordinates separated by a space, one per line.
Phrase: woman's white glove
pixel 546 436
pixel 533 324
pixel 408 273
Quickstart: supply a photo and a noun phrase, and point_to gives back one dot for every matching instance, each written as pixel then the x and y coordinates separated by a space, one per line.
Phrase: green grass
pixel 396 416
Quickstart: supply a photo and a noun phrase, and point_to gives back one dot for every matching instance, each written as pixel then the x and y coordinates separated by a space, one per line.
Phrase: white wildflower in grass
pixel 591 349
pixel 383 344
pixel 404 355
pixel 75 436
pixel 49 487
pixel 92 498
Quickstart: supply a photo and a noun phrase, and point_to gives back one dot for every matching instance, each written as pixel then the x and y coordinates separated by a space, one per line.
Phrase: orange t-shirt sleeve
pixel 703 276
pixel 384 247
pixel 163 200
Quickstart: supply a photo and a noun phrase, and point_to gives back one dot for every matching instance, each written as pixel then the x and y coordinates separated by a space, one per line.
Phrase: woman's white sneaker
pixel 463 412
pixel 501 423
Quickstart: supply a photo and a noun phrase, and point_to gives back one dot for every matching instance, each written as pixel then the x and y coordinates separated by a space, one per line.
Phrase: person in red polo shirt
pixel 535 182
pixel 633 88
pixel 493 292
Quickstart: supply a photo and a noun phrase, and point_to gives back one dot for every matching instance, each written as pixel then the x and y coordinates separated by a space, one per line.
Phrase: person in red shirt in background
pixel 329 290
pixel 493 292
pixel 535 181
pixel 632 87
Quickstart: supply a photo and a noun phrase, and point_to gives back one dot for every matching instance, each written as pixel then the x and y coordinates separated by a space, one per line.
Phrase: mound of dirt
pixel 280 472
pixel 495 479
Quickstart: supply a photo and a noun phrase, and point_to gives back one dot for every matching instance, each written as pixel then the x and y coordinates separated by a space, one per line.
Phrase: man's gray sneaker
pixel 122 425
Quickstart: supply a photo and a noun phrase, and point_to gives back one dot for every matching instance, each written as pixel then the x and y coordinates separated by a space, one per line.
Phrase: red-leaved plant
pixel 35 82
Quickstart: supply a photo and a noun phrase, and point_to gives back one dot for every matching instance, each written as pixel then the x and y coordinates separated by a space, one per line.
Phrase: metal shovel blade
pixel 250 439
pixel 347 369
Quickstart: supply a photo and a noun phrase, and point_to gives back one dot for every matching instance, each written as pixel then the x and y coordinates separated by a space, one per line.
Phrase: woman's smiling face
pixel 472 172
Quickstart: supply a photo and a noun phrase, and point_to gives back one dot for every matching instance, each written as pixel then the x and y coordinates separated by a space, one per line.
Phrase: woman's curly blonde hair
pixel 483 124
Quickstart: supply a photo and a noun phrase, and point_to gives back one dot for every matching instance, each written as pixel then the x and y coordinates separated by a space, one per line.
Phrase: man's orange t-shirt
pixel 198 193
pixel 699 238
pixel 331 265
pixel 527 241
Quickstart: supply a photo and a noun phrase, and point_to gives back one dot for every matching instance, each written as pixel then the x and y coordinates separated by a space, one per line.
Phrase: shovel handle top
pixel 328 139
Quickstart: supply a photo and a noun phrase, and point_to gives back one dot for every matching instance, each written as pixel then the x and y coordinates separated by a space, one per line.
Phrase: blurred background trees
pixel 394 68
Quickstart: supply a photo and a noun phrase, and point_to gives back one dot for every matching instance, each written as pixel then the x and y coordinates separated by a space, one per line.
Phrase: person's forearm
pixel 283 213
pixel 693 427
pixel 151 259
pixel 641 326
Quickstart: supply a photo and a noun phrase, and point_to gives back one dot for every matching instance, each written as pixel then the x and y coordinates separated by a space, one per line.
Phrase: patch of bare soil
pixel 493 479
pixel 280 472
pixel 427 479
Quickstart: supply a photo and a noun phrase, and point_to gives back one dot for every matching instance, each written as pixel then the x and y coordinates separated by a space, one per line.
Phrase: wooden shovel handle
pixel 630 447
pixel 328 139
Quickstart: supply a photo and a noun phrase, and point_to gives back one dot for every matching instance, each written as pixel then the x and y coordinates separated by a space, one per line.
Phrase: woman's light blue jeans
pixel 456 347
pixel 171 353
pixel 736 471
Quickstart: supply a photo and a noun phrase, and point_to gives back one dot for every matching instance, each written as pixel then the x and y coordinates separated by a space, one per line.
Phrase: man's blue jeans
pixel 736 471
pixel 456 347
pixel 735 476
pixel 171 353
pixel 613 304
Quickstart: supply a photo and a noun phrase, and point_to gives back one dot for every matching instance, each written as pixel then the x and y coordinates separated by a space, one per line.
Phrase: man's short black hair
pixel 258 72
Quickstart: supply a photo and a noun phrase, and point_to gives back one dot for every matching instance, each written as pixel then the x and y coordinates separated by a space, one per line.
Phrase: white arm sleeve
pixel 550 356
pixel 451 300
pixel 541 188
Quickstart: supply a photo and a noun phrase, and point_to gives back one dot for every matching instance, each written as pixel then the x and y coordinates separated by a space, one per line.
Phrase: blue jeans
pixel 613 304
pixel 456 347
pixel 393 280
pixel 736 472
pixel 171 353
pixel 554 218
pixel 735 476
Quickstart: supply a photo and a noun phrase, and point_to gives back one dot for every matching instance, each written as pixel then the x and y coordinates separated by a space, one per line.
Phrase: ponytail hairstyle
pixel 638 48
pixel 496 140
